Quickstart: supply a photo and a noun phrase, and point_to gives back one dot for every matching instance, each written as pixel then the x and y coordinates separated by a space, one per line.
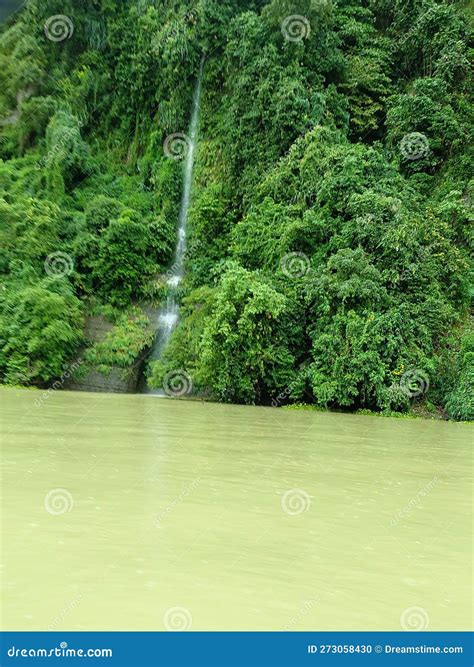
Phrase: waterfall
pixel 168 315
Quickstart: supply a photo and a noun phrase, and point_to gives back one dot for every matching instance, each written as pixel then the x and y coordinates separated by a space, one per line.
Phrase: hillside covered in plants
pixel 331 212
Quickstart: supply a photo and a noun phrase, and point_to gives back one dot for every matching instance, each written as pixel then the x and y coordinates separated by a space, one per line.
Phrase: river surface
pixel 135 512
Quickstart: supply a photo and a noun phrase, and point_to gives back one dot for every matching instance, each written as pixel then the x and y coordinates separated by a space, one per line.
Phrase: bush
pixel 460 401
pixel 40 330
pixel 122 346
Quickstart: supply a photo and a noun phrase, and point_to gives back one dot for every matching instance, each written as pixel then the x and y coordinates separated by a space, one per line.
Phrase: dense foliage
pixel 330 226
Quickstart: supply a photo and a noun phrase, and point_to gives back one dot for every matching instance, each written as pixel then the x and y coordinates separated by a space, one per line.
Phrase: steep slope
pixel 329 223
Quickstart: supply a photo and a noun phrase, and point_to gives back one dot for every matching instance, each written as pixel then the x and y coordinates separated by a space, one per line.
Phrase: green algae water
pixel 131 512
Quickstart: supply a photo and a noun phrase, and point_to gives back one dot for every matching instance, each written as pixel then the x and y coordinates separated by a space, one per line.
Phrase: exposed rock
pixel 21 96
pixel 115 379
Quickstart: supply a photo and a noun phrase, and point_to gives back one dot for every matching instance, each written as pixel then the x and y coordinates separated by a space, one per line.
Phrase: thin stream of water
pixel 169 314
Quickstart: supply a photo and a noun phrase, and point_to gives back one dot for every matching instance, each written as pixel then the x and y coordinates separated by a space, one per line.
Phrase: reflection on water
pixel 132 512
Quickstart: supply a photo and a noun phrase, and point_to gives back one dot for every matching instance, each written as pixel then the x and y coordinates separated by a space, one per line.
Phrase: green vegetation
pixel 331 218
pixel 122 345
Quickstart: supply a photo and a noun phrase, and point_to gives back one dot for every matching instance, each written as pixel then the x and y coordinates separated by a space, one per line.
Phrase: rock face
pixel 21 96
pixel 116 380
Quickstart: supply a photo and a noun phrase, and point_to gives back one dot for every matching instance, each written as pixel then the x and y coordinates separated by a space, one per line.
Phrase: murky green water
pixel 239 517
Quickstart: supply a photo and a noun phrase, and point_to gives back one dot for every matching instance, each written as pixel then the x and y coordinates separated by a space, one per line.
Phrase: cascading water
pixel 168 315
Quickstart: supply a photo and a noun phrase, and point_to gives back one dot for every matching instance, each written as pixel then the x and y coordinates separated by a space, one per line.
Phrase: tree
pixel 124 262
pixel 244 355
pixel 40 330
